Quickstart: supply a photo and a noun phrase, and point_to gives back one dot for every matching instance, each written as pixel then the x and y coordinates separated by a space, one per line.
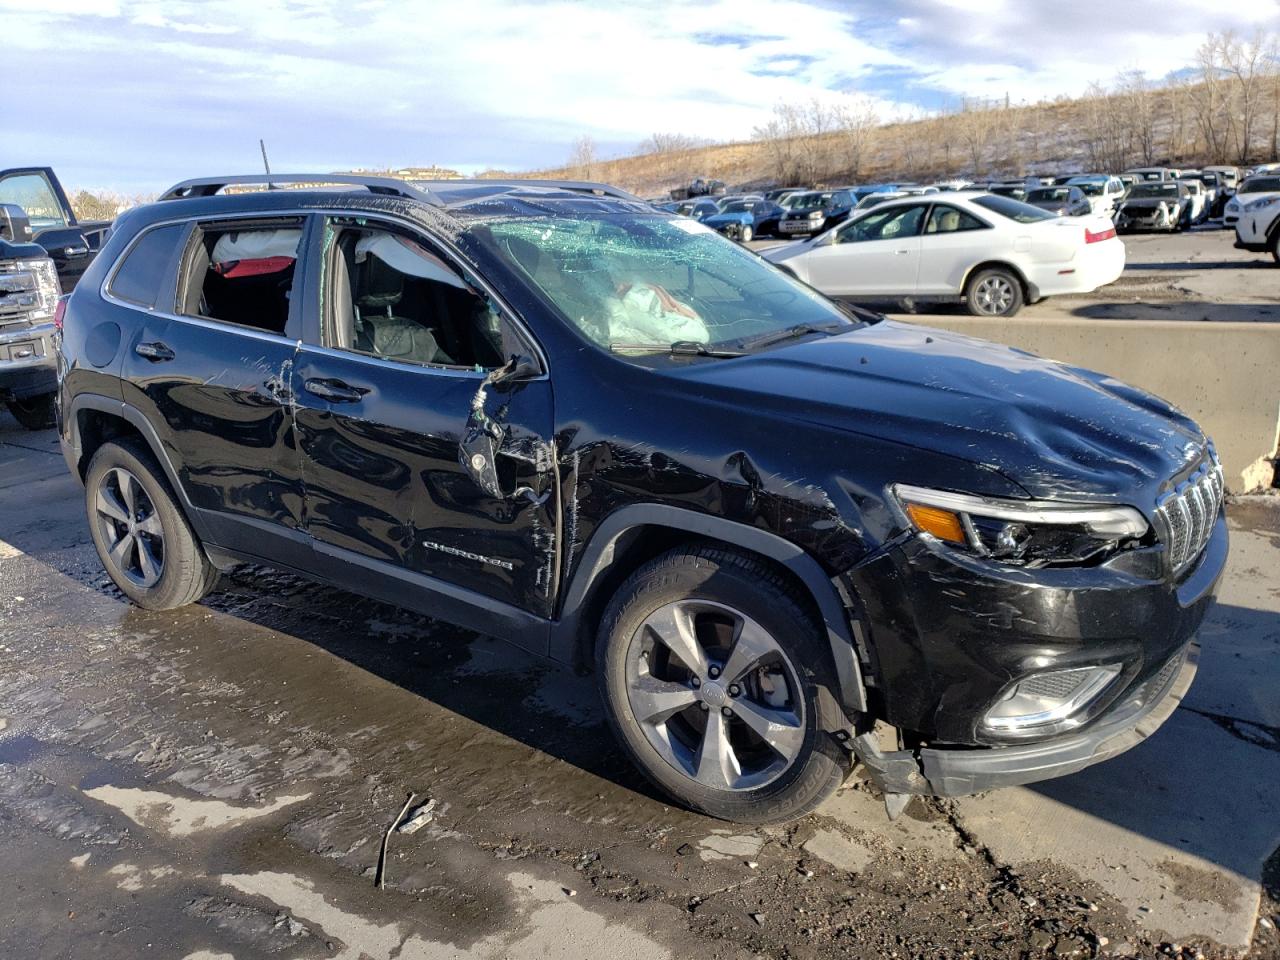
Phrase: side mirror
pixel 483 436
pixel 15 225
pixel 519 367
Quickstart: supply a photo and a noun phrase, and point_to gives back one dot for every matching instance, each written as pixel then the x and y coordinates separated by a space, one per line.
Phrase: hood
pixel 785 251
pixel 1056 431
pixel 721 218
pixel 1149 203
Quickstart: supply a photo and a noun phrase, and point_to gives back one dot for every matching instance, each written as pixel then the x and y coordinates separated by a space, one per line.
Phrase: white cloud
pixel 1030 52
pixel 180 88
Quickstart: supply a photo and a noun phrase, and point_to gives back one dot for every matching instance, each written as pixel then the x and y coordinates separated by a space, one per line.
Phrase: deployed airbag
pixel 409 258
pixel 252 253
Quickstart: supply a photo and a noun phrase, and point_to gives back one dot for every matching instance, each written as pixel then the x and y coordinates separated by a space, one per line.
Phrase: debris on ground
pixel 381 880
pixel 419 818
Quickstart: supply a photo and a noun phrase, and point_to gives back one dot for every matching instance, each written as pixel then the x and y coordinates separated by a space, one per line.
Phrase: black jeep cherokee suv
pixel 785 534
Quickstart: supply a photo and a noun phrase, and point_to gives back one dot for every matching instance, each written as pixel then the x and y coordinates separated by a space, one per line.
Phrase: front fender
pixel 843 636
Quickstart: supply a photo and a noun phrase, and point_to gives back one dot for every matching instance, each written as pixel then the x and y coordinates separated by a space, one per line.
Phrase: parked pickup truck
pixel 44 250
pixel 28 301
pixel 70 243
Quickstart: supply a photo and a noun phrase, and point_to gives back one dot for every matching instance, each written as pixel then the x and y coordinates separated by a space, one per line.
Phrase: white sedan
pixel 990 252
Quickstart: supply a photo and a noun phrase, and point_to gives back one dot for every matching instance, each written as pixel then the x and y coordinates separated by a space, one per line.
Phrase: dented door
pixel 385 477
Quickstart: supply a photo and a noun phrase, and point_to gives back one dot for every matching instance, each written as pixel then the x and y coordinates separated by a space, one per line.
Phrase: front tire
pixel 747 233
pixel 144 541
pixel 1275 247
pixel 34 413
pixel 711 672
pixel 995 292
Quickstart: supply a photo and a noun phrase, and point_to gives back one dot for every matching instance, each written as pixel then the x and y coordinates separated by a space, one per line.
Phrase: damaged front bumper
pixel 957 772
pixel 956 638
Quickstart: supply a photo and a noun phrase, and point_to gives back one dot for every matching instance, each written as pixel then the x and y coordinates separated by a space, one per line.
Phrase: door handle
pixel 901 252
pixel 335 391
pixel 154 351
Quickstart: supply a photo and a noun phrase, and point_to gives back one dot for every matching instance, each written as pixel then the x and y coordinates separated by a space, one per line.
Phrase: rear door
pixel 416 464
pixel 953 241
pixel 210 365
pixel 878 254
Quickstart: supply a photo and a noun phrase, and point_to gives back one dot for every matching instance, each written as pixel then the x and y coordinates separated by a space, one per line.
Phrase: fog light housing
pixel 1047 703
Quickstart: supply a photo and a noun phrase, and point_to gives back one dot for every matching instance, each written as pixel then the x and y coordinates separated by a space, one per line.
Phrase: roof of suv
pixel 449 199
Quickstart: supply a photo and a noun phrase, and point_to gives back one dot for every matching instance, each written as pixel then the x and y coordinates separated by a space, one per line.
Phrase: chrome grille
pixel 1189 512
pixel 1161 680
pixel 18 295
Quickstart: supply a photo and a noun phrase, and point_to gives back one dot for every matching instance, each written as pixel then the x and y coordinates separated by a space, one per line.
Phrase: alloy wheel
pixel 994 295
pixel 715 694
pixel 131 530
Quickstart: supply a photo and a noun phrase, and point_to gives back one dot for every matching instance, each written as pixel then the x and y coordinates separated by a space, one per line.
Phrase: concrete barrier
pixel 1224 375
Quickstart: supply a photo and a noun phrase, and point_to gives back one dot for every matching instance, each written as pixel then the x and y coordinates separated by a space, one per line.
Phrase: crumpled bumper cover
pixel 951 773
pixel 954 773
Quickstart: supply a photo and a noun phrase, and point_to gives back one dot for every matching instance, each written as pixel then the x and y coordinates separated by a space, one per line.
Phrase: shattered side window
pixel 638 279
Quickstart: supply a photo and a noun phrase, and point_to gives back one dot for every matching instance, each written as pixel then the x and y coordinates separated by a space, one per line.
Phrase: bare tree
pixel 856 120
pixel 1246 63
pixel 671 143
pixel 1209 98
pixel 975 125
pixel 1275 108
pixel 582 156
pixel 1134 103
pixel 105 204
pixel 780 137
pixel 798 139
pixel 1176 101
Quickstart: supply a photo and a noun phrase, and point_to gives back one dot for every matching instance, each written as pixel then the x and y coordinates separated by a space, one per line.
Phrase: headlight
pixel 1260 204
pixel 47 288
pixel 1025 532
pixel 816 215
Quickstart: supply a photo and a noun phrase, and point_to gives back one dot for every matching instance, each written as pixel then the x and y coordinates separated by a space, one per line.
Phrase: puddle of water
pixel 19 749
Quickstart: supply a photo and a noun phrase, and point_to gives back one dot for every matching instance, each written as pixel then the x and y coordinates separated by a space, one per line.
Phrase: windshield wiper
pixel 681 348
pixel 790 333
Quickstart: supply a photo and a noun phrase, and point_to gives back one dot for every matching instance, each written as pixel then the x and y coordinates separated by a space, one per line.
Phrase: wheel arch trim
pixel 599 554
pixel 73 449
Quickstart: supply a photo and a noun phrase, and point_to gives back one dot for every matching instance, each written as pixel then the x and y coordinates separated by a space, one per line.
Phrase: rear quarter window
pixel 146 269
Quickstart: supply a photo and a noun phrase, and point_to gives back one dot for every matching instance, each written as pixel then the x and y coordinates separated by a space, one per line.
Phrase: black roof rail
pixel 474 186
pixel 208 186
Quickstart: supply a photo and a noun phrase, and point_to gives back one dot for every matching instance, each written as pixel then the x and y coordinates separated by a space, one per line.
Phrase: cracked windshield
pixel 638 281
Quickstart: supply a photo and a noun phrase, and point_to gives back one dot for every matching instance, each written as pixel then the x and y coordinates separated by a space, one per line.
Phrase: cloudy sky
pixel 136 94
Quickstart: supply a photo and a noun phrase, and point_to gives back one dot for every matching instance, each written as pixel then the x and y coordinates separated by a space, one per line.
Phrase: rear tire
pixel 747 233
pixel 994 292
pixel 144 541
pixel 34 413
pixel 758 664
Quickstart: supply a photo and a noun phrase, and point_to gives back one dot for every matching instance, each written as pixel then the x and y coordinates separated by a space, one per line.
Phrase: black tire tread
pixel 826 767
pixel 188 575
pixel 34 413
